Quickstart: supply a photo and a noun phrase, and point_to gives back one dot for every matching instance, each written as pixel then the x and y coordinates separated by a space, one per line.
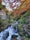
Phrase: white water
pixel 7 33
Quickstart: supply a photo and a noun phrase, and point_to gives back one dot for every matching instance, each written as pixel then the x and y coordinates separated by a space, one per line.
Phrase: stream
pixel 9 32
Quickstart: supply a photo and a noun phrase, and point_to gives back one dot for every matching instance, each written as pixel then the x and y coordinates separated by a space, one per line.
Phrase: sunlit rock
pixel 10 4
pixel 2 14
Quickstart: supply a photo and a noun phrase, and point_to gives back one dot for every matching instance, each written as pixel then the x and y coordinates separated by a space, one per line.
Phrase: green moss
pixel 1 6
pixel 22 21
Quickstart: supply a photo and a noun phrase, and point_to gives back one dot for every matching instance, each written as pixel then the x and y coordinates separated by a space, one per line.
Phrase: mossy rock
pixel 1 6
pixel 22 20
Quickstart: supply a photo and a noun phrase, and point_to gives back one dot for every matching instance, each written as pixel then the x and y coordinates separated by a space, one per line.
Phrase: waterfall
pixel 7 33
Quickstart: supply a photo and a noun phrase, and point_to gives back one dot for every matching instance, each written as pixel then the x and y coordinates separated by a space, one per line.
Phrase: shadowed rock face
pixel 0 1
pixel 26 27
pixel 28 19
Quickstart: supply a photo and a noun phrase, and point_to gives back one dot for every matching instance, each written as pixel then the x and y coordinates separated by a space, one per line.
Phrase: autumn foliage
pixel 24 7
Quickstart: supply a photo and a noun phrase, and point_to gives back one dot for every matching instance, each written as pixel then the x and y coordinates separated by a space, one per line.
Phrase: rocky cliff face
pixel 3 19
pixel 25 5
pixel 2 14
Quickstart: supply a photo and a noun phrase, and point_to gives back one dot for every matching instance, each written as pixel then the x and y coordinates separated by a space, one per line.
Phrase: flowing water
pixel 7 33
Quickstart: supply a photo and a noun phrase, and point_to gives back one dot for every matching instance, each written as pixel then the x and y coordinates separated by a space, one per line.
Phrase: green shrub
pixel 1 6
